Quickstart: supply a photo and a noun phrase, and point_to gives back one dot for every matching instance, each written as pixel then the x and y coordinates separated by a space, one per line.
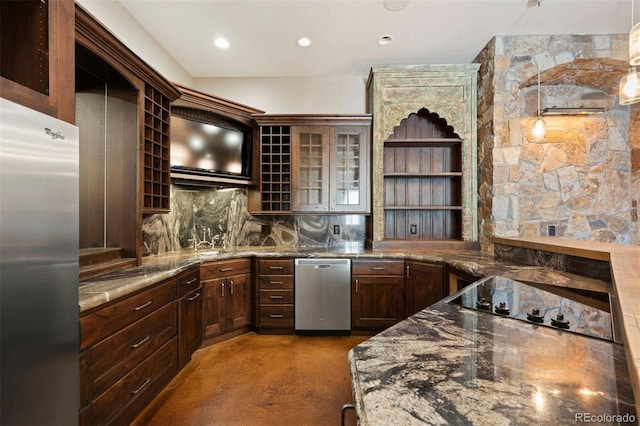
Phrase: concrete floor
pixel 260 380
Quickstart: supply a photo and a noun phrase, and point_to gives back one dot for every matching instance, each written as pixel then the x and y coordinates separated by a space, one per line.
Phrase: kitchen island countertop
pixel 450 365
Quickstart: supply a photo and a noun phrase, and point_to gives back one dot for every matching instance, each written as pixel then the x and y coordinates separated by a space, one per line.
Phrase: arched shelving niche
pixel 422 180
pixel 424 156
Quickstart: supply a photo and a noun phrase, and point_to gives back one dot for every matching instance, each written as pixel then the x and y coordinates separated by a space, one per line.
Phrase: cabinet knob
pixel 221 289
pixel 231 286
pixel 356 286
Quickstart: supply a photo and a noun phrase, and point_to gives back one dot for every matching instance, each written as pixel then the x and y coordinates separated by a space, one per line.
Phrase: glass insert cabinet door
pixel 349 169
pixel 310 174
pixel 330 169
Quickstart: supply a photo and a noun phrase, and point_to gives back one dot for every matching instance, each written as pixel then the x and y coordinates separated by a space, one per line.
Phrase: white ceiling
pixel 263 33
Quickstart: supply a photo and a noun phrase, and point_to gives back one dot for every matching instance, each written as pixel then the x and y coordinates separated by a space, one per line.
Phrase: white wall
pixel 292 95
pixel 274 95
pixel 127 29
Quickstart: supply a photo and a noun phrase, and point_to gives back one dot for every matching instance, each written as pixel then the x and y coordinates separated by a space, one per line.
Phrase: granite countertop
pixel 624 261
pixel 450 365
pixel 100 290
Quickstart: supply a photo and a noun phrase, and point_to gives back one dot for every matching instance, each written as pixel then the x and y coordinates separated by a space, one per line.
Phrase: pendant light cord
pixel 539 57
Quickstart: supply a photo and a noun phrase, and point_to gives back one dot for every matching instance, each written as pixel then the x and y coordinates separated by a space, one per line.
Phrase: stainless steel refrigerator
pixel 38 268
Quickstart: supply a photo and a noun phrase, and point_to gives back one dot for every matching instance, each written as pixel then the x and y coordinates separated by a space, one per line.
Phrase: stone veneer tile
pixel 591 154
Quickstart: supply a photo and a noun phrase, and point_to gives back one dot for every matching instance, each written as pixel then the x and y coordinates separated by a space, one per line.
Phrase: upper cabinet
pixel 123 112
pixel 313 164
pixel 424 156
pixel 36 55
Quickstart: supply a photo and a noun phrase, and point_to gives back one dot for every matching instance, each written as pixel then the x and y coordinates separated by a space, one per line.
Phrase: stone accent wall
pixel 583 179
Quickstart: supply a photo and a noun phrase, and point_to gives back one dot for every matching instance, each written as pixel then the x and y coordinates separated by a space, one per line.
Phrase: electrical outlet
pixel 336 229
pixel 413 229
pixel 265 230
pixel 551 230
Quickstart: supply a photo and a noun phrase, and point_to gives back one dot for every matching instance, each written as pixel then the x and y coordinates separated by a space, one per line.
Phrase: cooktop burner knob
pixel 559 321
pixel 535 316
pixel 483 304
pixel 502 309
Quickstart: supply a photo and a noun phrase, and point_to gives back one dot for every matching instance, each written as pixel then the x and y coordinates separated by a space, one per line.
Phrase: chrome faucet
pixel 203 242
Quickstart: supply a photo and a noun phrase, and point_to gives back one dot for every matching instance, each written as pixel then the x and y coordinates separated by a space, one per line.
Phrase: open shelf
pixel 418 142
pixel 422 183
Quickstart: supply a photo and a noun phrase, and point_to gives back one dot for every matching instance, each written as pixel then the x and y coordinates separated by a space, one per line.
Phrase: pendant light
pixel 539 130
pixel 630 83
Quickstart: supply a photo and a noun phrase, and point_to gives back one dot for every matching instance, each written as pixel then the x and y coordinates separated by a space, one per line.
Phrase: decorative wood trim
pixel 191 98
pixel 312 120
pixel 94 32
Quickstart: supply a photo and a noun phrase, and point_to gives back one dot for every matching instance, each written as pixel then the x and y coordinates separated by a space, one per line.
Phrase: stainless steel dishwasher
pixel 322 296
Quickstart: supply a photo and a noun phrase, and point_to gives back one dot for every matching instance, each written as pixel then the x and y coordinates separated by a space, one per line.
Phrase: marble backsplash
pixel 221 216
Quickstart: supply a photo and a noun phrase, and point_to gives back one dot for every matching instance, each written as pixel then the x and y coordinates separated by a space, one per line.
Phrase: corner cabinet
pixel 227 297
pixel 128 142
pixel 313 164
pixel 424 156
pixel 37 56
pixel 424 285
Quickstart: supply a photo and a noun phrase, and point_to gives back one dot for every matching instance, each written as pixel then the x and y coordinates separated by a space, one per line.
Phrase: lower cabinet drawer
pixel 122 402
pixel 276 297
pixel 276 316
pixel 106 321
pixel 269 282
pixel 105 363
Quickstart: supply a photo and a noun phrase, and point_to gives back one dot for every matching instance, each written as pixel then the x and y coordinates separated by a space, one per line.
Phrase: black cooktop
pixel 577 311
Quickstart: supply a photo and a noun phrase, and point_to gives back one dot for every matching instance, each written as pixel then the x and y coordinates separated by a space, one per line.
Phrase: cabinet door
pixel 189 326
pixel 214 315
pixel 239 301
pixel 377 301
pixel 349 165
pixel 310 173
pixel 37 55
pixel 424 286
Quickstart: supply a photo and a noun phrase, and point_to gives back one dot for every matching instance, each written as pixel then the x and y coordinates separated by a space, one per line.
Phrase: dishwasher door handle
pixel 322 266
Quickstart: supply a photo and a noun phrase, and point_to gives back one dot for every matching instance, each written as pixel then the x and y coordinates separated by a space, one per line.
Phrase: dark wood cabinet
pixel 275 296
pixel 189 315
pixel 377 293
pixel 424 285
pixel 37 55
pixel 128 354
pixel 123 109
pixel 313 164
pixel 227 296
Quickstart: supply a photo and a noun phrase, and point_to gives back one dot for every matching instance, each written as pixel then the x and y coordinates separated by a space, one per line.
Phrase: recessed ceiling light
pixel 221 42
pixel 395 5
pixel 385 40
pixel 304 41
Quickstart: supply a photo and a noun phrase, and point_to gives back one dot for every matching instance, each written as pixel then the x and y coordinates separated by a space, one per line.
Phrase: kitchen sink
pixel 208 254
